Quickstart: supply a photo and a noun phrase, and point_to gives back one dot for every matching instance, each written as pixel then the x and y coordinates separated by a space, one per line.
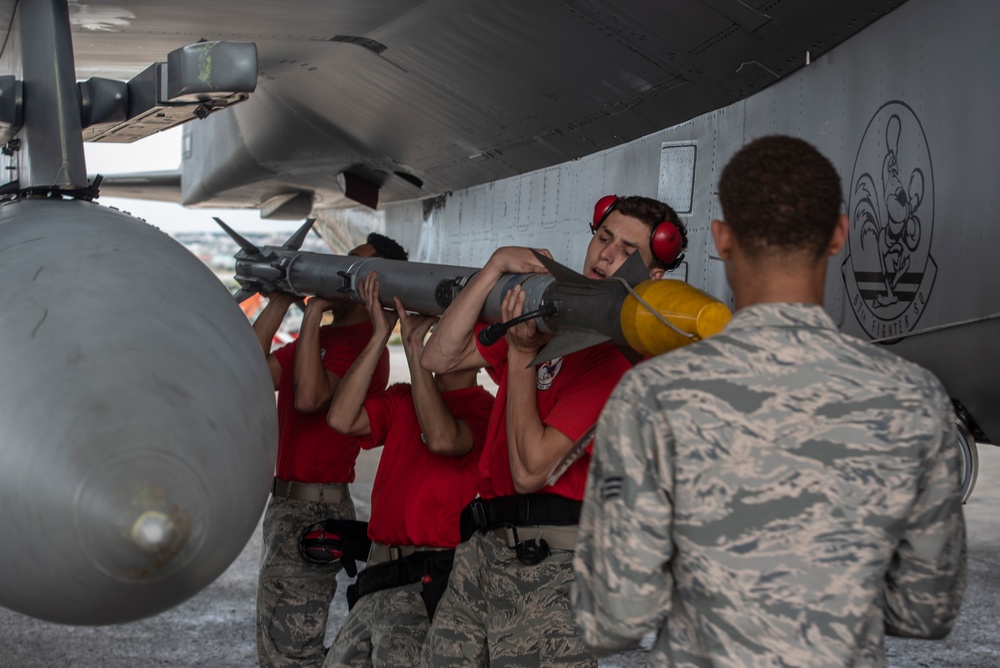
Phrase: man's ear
pixel 656 273
pixel 839 237
pixel 722 234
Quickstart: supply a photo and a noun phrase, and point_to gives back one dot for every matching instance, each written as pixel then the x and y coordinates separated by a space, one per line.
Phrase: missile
pixel 649 316
pixel 423 288
pixel 138 430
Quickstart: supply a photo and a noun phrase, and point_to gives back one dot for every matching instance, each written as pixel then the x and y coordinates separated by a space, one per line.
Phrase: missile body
pixel 423 288
pixel 578 311
pixel 137 423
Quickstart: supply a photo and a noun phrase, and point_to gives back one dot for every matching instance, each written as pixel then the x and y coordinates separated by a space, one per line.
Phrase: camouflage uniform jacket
pixel 778 495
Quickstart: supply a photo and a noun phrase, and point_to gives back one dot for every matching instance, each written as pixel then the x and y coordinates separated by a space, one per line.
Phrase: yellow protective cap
pixel 686 307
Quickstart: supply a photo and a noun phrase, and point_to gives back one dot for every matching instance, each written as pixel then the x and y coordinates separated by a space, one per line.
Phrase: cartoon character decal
pixel 889 272
pixel 547 372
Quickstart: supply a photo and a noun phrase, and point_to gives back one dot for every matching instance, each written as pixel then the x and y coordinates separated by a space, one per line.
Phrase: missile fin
pixel 247 247
pixel 244 294
pixel 633 270
pixel 569 340
pixel 295 241
pixel 562 273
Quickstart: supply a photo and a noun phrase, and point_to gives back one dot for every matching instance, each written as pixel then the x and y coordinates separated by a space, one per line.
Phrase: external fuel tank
pixel 137 422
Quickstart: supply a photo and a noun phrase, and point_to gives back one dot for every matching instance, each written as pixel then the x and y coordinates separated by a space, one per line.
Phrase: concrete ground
pixel 215 629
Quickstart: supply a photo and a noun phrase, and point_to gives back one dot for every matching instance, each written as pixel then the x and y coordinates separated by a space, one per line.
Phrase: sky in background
pixel 163 151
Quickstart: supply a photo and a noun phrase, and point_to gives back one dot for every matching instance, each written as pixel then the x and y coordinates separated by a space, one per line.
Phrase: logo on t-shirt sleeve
pixel 547 372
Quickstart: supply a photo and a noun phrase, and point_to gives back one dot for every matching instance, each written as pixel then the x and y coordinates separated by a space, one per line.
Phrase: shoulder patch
pixel 611 488
pixel 547 372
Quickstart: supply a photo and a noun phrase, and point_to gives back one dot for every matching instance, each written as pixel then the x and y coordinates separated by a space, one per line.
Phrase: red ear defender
pixel 667 244
pixel 602 210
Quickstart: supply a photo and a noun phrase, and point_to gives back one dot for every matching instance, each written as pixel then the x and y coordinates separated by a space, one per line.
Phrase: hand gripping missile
pixel 649 316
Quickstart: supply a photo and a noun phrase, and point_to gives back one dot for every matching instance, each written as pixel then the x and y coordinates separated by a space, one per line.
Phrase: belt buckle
pixel 478 510
pixel 523 509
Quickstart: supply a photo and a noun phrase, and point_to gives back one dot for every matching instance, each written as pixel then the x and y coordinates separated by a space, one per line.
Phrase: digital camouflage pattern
pixel 293 595
pixel 522 613
pixel 385 629
pixel 776 495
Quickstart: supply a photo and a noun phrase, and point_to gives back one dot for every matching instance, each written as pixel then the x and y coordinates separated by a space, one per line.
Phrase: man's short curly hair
pixel 387 248
pixel 779 193
pixel 652 212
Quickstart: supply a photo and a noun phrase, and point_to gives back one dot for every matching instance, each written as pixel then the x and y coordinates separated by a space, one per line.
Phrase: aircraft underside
pixel 456 127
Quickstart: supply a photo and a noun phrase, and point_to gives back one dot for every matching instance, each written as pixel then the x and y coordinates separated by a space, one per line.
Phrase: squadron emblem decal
pixel 889 272
pixel 547 372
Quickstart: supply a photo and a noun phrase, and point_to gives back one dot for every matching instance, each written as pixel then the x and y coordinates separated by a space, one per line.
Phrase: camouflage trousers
pixel 502 613
pixel 385 629
pixel 294 595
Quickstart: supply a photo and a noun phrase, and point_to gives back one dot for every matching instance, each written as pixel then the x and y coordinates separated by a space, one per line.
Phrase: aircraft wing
pixel 409 99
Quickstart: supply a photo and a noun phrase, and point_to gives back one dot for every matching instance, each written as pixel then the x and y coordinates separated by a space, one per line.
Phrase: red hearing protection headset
pixel 666 242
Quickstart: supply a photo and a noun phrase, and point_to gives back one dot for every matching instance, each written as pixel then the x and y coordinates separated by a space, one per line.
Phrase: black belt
pixel 333 492
pixel 518 510
pixel 400 572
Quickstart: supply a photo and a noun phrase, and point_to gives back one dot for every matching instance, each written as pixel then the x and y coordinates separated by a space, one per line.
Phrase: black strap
pixel 399 572
pixel 518 510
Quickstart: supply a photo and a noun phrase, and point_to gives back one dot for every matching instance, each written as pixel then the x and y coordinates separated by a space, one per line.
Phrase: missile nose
pixel 689 309
pixel 141 517
pixel 154 532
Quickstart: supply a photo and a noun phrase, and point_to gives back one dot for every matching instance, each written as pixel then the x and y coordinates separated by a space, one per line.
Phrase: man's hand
pixel 382 321
pixel 413 328
pixel 453 346
pixel 518 260
pixel 317 306
pixel 523 337
pixel 282 300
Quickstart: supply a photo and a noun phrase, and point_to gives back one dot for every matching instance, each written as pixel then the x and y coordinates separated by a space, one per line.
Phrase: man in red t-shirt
pixel 314 465
pixel 433 431
pixel 508 595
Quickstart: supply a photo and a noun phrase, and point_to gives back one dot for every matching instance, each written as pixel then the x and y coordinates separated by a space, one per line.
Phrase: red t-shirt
pixel 418 496
pixel 571 391
pixel 308 449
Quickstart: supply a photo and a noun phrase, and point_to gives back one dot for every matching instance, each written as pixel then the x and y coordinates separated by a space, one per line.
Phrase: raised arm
pixel 453 346
pixel 266 326
pixel 347 413
pixel 533 447
pixel 314 385
pixel 443 433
